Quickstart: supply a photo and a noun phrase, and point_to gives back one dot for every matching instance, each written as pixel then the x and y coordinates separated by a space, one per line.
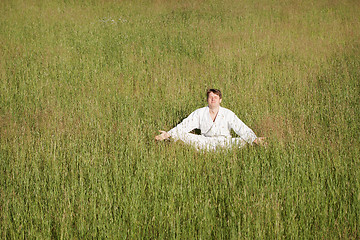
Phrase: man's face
pixel 213 100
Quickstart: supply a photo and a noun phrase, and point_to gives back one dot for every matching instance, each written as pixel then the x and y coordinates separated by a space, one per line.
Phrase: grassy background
pixel 85 85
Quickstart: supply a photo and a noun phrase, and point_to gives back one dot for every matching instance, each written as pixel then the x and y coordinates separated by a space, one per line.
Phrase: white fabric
pixel 213 134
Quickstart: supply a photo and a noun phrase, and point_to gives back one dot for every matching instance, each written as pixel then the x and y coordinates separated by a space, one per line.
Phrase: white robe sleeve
pixel 190 123
pixel 241 129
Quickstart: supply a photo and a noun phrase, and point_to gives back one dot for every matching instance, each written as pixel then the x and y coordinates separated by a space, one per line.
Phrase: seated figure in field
pixel 215 123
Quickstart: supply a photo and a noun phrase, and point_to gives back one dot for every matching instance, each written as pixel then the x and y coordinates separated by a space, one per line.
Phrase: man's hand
pixel 164 135
pixel 261 141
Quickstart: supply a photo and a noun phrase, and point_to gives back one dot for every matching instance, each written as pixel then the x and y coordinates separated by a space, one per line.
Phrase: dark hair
pixel 215 91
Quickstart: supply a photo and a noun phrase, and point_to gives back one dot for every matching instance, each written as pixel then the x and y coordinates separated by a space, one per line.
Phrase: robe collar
pixel 207 122
pixel 217 116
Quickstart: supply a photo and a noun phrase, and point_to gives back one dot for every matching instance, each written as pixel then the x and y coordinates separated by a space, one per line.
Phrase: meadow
pixel 86 85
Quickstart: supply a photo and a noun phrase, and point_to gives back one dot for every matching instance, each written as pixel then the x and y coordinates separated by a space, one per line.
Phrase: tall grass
pixel 85 85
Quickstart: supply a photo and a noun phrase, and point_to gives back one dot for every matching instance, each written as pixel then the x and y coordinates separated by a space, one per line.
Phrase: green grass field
pixel 85 85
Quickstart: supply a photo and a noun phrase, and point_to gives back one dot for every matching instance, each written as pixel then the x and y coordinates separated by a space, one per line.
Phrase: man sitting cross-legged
pixel 215 123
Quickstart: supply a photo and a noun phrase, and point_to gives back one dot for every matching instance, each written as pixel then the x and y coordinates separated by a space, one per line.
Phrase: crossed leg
pixel 208 143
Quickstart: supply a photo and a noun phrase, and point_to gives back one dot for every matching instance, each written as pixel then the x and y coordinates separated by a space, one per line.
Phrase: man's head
pixel 214 97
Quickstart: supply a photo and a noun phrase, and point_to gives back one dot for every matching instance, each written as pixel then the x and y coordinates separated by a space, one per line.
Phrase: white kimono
pixel 213 134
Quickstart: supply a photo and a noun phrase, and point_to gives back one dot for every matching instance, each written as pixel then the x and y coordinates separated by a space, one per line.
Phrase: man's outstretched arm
pixel 246 133
pixel 188 124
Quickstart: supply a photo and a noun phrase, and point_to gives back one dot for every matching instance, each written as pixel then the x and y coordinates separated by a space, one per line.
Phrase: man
pixel 215 123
